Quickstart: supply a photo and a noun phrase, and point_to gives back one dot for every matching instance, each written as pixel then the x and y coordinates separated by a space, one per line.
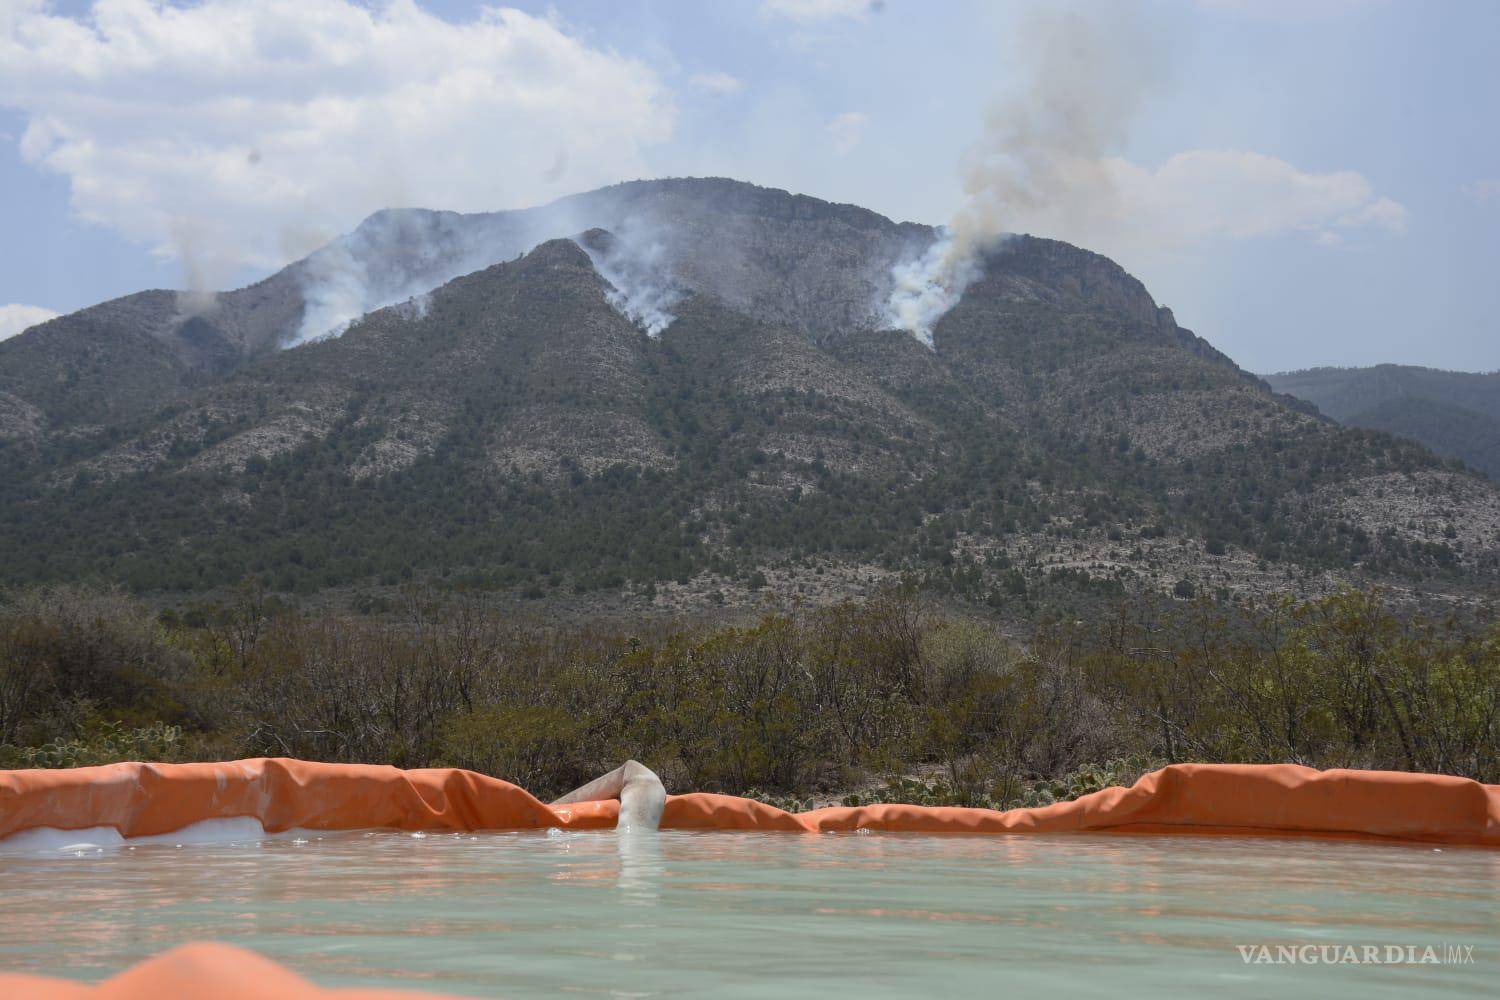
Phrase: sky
pixel 1304 182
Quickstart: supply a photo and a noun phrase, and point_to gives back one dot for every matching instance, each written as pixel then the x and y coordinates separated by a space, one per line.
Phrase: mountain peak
pixel 561 252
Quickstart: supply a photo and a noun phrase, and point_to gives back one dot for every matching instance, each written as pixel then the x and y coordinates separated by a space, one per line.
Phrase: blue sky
pixel 1303 183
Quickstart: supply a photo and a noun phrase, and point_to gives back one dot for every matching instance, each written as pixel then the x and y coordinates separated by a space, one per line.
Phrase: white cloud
pixel 847 130
pixel 1485 191
pixel 17 318
pixel 1202 196
pixel 817 11
pixel 241 133
pixel 717 83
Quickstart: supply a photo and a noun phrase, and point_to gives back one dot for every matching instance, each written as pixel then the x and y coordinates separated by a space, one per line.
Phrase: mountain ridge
pixel 1456 414
pixel 517 427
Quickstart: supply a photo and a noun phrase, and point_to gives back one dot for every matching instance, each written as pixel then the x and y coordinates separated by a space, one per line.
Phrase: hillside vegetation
pixel 851 699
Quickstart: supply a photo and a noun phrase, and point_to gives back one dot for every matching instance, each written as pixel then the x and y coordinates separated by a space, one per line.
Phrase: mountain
pixel 793 260
pixel 681 392
pixel 1456 414
pixel 119 359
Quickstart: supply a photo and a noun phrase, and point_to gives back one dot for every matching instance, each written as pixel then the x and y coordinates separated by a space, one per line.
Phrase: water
pixel 747 914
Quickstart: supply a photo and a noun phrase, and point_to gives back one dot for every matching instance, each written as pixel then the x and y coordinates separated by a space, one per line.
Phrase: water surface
pixel 747 914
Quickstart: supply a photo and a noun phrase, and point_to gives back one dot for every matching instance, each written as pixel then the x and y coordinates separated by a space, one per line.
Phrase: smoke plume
pixel 399 255
pixel 203 269
pixel 1044 149
pixel 632 260
pixel 335 291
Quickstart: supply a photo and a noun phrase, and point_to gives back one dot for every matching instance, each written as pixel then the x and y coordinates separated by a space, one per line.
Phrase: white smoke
pixel 415 308
pixel 645 304
pixel 922 290
pixel 1042 148
pixel 399 256
pixel 632 260
pixel 396 256
pixel 335 292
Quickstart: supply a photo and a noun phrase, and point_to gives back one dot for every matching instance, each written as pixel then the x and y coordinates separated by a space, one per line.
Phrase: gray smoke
pixel 203 270
pixel 1043 154
pixel 633 260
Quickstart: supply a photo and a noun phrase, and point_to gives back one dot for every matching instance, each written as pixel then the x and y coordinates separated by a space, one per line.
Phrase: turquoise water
pixel 746 914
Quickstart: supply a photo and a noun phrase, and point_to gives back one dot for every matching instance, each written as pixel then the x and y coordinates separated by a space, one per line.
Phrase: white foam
pixel 50 840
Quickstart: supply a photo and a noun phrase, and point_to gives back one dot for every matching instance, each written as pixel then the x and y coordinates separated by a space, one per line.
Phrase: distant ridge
pixel 1456 414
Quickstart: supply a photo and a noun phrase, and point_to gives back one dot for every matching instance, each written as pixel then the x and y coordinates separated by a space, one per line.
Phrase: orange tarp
pixel 144 799
pixel 141 799
pixel 197 971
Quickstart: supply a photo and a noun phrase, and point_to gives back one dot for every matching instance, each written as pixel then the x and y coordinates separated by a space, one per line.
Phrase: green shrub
pixel 107 743
pixel 536 748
